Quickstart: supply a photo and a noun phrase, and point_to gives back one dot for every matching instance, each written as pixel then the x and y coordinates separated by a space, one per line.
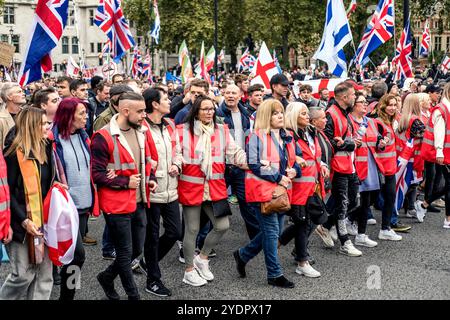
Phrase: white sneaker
pixel 349 249
pixel 324 234
pixel 421 212
pixel 193 278
pixel 371 222
pixel 202 266
pixel 363 240
pixel 389 235
pixel 412 213
pixel 352 227
pixel 333 233
pixel 307 271
pixel 420 215
pixel 446 224
pixel 439 203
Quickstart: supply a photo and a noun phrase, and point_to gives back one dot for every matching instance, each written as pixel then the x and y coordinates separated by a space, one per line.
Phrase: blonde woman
pixel 31 173
pixel 425 106
pixel 271 154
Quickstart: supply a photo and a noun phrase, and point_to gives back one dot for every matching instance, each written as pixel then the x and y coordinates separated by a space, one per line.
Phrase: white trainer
pixel 439 203
pixel 412 213
pixel 333 233
pixel 446 224
pixel 352 227
pixel 365 241
pixel 349 249
pixel 193 278
pixel 389 235
pixel 307 271
pixel 420 215
pixel 421 211
pixel 202 266
pixel 324 234
pixel 371 222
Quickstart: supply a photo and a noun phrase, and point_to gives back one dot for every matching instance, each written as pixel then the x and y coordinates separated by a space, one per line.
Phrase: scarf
pixel 203 147
pixel 32 185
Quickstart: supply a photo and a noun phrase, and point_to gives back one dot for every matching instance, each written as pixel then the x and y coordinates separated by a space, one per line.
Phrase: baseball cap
pixel 119 89
pixel 279 79
pixel 432 88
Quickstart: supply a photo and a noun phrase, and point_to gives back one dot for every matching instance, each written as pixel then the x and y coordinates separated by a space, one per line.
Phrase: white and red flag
pixel 265 67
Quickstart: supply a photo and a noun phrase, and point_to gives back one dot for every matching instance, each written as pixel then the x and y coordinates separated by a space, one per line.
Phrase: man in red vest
pixel 344 190
pixel 121 145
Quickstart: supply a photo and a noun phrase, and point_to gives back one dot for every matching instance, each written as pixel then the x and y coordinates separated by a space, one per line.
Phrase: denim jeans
pixel 266 240
pixel 128 235
pixel 235 178
pixel 156 246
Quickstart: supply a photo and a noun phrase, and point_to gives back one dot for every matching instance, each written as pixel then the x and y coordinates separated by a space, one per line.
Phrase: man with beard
pixel 121 145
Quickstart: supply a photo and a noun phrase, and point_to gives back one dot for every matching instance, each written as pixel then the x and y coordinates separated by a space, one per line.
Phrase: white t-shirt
pixel 238 130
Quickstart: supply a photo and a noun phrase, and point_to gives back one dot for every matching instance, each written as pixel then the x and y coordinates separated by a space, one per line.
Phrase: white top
pixel 238 130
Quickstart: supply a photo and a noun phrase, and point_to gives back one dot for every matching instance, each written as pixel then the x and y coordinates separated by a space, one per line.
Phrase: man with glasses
pixel 197 87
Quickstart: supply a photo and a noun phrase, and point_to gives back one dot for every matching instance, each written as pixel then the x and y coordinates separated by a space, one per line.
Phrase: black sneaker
pixel 281 282
pixel 108 287
pixel 143 266
pixel 400 227
pixel 158 289
pixel 433 209
pixel 240 265
pixel 109 255
pixel 212 254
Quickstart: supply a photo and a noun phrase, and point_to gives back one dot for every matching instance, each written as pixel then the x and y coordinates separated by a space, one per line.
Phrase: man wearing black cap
pixel 279 85
pixel 114 93
pixel 434 91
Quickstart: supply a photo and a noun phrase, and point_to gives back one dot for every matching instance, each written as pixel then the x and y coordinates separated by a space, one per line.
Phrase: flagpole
pixel 215 37
pixel 80 48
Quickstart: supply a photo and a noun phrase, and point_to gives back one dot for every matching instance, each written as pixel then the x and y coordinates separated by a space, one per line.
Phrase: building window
pixel 131 23
pixel 99 47
pixel 92 47
pixel 4 38
pixel 16 42
pixel 75 45
pixel 91 17
pixel 437 44
pixel 8 15
pixel 71 18
pixel 65 45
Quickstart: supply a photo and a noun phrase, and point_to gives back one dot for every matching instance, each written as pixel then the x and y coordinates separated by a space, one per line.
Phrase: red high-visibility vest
pixel 342 160
pixel 192 180
pixel 386 159
pixel 5 213
pixel 170 125
pixel 402 139
pixel 304 187
pixel 428 151
pixel 122 201
pixel 256 188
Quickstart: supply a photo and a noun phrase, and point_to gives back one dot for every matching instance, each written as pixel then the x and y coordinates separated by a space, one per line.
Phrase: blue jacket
pixel 182 114
pixel 225 113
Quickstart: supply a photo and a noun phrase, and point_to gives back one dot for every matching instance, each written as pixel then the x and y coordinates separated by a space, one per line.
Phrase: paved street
pixel 416 268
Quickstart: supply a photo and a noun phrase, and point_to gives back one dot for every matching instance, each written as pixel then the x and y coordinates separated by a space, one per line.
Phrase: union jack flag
pixel 136 67
pixel 379 30
pixel 403 59
pixel 426 40
pixel 247 61
pixel 146 66
pixel 49 21
pixel 109 17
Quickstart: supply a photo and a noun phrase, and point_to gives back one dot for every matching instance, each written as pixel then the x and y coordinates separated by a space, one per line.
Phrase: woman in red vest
pixel 436 144
pixel 206 148
pixel 271 153
pixel 386 159
pixel 311 182
pixel 5 212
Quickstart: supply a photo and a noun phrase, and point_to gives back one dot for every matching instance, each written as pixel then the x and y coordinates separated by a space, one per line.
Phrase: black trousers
pixel 156 247
pixel 446 174
pixel 300 232
pixel 433 179
pixel 72 271
pixel 388 192
pixel 128 236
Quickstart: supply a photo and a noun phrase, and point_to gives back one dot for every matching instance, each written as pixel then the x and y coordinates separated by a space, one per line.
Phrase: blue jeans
pixel 267 240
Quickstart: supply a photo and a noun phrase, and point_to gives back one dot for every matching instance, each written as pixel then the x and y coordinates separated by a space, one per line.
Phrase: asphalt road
pixel 418 267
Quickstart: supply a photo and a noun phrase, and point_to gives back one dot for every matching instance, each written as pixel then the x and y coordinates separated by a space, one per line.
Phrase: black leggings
pixel 433 177
pixel 388 192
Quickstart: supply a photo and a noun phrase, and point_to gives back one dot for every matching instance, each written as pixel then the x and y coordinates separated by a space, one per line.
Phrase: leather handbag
pixel 278 203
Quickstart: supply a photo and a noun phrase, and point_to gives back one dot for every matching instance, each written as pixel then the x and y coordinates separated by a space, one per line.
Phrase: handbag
pixel 35 249
pixel 221 208
pixel 316 209
pixel 278 203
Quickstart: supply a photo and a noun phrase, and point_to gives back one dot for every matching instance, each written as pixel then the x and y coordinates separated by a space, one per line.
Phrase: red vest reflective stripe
pixel 402 139
pixel 387 159
pixel 121 201
pixel 5 214
pixel 369 140
pixel 304 187
pixel 192 180
pixel 170 124
pixel 428 150
pixel 256 188
pixel 342 160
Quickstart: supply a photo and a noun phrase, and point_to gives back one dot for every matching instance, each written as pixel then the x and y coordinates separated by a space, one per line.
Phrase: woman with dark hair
pixel 72 147
pixel 206 148
pixel 29 159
